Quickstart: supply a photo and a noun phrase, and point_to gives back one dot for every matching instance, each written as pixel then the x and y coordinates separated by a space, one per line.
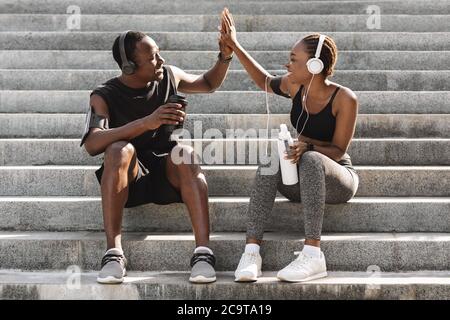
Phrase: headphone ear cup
pixel 314 65
pixel 129 68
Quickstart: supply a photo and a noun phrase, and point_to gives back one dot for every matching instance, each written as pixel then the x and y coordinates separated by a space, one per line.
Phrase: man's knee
pixel 119 154
pixel 183 155
pixel 188 170
pixel 187 163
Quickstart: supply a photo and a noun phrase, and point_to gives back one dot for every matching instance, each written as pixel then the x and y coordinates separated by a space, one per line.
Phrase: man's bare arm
pixel 99 139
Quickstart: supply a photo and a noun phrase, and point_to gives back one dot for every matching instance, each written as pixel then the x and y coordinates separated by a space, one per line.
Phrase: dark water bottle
pixel 176 98
pixel 162 137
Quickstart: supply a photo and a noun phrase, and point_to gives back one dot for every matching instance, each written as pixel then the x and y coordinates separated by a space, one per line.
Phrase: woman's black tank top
pixel 320 126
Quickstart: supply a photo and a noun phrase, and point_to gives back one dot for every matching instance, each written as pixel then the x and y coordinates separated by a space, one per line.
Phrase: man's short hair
pixel 130 41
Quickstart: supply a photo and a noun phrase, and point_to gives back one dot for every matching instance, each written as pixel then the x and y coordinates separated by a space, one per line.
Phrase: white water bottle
pixel 289 173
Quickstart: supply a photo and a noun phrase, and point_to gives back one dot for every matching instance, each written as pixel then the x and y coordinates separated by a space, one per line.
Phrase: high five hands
pixel 228 38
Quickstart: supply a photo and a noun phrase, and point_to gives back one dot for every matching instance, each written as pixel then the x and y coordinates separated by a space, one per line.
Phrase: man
pixel 125 122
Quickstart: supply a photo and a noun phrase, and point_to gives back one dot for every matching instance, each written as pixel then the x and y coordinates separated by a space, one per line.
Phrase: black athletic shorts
pixel 151 184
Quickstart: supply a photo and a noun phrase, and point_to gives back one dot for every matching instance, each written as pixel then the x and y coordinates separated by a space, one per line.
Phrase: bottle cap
pixel 284 133
pixel 176 98
pixel 283 128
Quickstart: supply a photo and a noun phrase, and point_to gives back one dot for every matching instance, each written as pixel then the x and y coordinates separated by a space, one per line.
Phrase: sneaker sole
pixel 248 279
pixel 111 279
pixel 314 277
pixel 202 279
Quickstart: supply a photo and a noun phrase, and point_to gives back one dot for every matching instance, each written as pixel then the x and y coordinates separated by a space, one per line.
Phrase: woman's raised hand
pixel 228 29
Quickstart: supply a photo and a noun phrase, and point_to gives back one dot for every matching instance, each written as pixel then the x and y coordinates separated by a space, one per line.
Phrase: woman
pixel 325 170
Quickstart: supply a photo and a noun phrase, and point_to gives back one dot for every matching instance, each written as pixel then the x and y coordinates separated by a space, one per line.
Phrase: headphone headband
pixel 319 45
pixel 123 55
pixel 128 67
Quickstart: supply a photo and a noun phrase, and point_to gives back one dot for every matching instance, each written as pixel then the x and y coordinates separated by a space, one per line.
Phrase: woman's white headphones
pixel 315 65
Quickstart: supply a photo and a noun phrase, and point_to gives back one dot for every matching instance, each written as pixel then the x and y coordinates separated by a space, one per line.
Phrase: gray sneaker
pixel 202 264
pixel 113 267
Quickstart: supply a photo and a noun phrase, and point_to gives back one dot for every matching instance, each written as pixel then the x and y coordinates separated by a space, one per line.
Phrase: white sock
pixel 107 251
pixel 311 251
pixel 203 248
pixel 252 248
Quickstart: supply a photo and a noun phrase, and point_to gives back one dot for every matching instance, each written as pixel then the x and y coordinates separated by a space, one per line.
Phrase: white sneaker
pixel 249 268
pixel 304 268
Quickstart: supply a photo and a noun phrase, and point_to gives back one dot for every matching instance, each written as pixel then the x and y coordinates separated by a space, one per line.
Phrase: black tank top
pixel 320 126
pixel 126 104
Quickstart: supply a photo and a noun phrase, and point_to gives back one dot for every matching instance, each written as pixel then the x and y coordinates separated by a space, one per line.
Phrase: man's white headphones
pixel 315 65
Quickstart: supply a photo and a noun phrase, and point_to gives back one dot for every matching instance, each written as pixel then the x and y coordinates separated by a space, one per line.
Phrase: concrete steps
pixel 52 285
pixel 375 181
pixel 23 125
pixel 398 222
pixel 97 59
pixel 365 151
pixel 209 23
pixel 411 7
pixel 363 80
pixel 228 214
pixel 253 102
pixel 172 251
pixel 266 40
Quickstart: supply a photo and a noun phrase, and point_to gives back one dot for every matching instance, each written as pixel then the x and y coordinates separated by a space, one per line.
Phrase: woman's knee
pixel 310 166
pixel 311 159
pixel 119 154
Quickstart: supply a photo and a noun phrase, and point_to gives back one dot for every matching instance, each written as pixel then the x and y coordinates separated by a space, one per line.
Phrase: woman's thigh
pixel 340 184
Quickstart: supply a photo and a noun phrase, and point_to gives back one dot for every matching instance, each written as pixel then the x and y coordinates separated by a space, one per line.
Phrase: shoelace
pixel 300 261
pixel 206 257
pixel 248 258
pixel 113 257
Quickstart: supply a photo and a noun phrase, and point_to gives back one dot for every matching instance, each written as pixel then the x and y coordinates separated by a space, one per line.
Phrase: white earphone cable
pixel 305 107
pixel 268 114
pixel 304 100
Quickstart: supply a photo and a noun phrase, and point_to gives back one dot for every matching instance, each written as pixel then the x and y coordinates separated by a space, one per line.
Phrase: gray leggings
pixel 321 180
